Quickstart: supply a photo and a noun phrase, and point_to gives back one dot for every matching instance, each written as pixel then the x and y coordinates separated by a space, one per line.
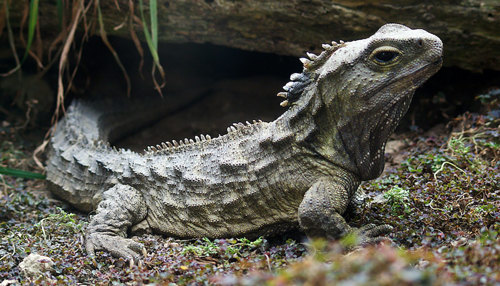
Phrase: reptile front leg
pixel 320 214
pixel 122 206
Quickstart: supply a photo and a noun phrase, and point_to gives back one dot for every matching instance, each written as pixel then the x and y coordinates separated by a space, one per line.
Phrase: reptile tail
pixel 71 156
pixel 80 162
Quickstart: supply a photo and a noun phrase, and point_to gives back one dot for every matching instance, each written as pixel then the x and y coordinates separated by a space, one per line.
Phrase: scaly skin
pixel 301 170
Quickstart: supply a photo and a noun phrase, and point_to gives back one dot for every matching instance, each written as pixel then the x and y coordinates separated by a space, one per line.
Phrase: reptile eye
pixel 385 55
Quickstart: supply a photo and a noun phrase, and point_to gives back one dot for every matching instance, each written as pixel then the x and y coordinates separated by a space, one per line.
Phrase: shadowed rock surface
pixel 469 29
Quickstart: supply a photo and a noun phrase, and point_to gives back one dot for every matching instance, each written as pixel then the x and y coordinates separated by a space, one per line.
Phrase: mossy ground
pixel 440 192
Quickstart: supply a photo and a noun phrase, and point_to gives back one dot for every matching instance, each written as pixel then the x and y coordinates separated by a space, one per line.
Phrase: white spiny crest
pixel 305 62
pixel 166 146
pixel 238 125
pixel 170 146
pixel 294 88
pixel 317 60
pixel 282 94
pixel 288 86
pixel 311 56
pixel 295 76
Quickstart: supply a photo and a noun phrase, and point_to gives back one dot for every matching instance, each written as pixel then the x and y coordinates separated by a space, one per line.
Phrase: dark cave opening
pixel 235 86
pixel 242 85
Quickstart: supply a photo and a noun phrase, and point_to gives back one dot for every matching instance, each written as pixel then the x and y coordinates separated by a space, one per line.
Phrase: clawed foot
pixel 116 245
pixel 372 234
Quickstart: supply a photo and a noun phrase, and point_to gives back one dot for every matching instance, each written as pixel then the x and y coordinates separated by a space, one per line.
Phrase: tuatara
pixel 301 170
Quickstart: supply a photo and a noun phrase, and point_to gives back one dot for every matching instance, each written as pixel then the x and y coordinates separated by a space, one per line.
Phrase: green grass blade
pixel 153 14
pixel 147 35
pixel 31 26
pixel 20 173
pixel 153 42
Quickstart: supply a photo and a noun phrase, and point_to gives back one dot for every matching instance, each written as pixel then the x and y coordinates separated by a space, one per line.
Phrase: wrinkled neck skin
pixel 348 130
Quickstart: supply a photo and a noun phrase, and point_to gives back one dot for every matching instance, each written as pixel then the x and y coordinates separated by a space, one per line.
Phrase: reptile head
pixel 365 87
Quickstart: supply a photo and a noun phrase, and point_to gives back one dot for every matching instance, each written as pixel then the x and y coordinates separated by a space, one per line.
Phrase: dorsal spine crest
pixel 233 131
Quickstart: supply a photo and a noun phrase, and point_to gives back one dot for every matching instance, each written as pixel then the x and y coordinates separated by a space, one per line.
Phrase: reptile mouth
pixel 435 64
pixel 420 75
pixel 416 78
pixel 430 69
pixel 438 61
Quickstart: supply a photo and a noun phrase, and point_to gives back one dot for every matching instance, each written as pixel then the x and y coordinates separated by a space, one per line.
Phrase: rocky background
pixel 469 29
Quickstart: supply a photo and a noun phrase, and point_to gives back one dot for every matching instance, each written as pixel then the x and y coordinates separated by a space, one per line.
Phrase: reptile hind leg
pixel 122 207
